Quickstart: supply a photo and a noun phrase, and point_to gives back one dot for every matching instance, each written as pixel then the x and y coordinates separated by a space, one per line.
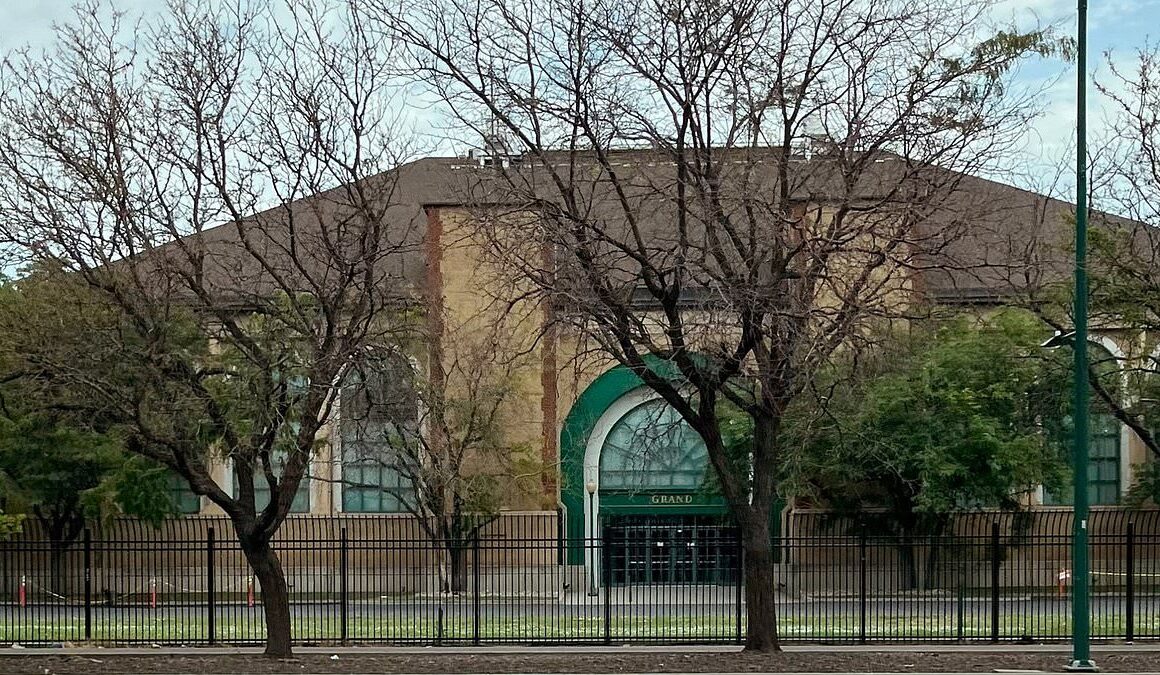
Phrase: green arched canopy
pixel 578 426
pixel 575 433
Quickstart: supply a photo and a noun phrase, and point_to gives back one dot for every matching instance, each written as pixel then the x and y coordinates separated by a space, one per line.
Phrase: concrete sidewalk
pixel 1143 647
pixel 997 670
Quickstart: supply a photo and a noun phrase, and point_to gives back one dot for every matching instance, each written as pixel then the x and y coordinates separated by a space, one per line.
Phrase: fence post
pixel 605 577
pixel 88 585
pixel 475 589
pixel 740 581
pixel 1130 583
pixel 960 600
pixel 210 600
pixel 995 581
pixel 343 590
pixel 862 585
pixel 561 536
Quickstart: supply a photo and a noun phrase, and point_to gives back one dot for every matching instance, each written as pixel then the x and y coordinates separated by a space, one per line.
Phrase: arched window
pixel 378 422
pixel 652 447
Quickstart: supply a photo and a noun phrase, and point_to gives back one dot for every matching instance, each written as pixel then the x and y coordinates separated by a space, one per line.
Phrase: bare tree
pixel 440 433
pixel 721 195
pixel 1134 159
pixel 215 178
pixel 1124 259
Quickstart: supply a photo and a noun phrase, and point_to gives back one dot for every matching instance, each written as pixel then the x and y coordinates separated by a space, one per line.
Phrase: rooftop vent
pixel 497 151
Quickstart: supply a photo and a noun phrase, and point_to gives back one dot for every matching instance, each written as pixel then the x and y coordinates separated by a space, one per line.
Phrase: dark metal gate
pixel 671 550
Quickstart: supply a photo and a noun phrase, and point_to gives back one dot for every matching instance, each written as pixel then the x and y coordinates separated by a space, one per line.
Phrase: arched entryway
pixel 636 481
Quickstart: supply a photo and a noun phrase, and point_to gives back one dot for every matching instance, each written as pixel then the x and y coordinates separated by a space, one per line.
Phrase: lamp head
pixel 591 487
pixel 1060 339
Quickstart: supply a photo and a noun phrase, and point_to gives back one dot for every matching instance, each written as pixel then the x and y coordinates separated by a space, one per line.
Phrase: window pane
pixel 652 447
pixel 1103 463
pixel 378 414
pixel 373 488
pixel 182 495
pixel 301 503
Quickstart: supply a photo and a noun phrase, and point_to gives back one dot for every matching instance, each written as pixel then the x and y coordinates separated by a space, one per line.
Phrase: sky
pixel 1117 26
pixel 1117 29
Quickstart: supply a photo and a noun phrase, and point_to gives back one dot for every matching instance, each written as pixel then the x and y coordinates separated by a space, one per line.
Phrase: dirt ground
pixel 477 663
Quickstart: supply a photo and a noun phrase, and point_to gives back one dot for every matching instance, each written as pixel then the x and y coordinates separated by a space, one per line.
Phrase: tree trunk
pixel 934 543
pixel 62 532
pixel 760 587
pixel 56 552
pixel 908 561
pixel 930 574
pixel 275 596
pixel 458 554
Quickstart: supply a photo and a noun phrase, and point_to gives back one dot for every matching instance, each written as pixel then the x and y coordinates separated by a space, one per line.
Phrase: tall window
pixel 1103 462
pixel 1103 440
pixel 652 447
pixel 378 421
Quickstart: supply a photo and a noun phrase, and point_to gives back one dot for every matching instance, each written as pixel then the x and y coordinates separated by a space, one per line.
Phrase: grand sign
pixel 650 502
pixel 670 499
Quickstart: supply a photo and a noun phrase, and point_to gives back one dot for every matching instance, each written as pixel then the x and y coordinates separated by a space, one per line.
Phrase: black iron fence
pixel 379 580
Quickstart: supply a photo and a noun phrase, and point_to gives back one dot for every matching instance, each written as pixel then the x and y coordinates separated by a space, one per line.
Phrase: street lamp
pixel 591 488
pixel 1080 613
pixel 1060 339
pixel 1081 635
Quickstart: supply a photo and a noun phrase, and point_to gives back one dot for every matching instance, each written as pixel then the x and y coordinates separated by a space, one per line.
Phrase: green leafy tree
pixel 68 478
pixel 948 419
pixel 64 459
pixel 9 524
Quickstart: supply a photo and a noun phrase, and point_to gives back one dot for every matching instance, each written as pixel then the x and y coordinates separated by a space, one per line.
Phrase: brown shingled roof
pixel 1009 236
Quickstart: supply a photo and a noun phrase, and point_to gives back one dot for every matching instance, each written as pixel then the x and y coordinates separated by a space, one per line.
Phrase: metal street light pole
pixel 1080 612
pixel 591 488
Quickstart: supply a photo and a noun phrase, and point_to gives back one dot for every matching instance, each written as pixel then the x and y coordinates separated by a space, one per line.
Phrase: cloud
pixel 30 22
pixel 1118 26
pixel 1027 13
